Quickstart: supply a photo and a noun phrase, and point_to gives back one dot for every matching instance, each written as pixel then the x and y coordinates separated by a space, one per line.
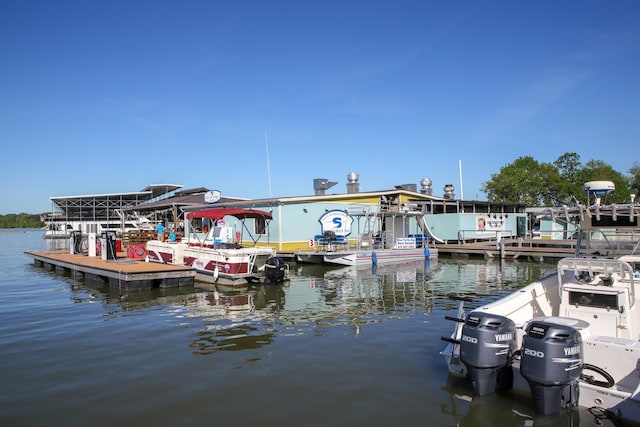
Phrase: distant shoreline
pixel 16 231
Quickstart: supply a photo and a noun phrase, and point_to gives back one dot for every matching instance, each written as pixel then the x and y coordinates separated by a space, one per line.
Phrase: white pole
pixel 461 189
pixel 266 143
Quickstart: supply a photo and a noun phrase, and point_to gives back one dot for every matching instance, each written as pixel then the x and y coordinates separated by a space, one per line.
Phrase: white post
pixel 91 241
pixel 103 248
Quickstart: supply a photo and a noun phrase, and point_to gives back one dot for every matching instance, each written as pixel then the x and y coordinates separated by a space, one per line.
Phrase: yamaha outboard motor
pixel 275 269
pixel 551 362
pixel 487 343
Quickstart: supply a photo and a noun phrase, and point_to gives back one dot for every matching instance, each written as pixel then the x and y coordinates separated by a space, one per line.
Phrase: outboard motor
pixel 551 362
pixel 487 343
pixel 275 269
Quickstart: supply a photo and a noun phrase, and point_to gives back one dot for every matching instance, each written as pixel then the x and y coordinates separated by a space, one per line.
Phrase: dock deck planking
pixel 121 272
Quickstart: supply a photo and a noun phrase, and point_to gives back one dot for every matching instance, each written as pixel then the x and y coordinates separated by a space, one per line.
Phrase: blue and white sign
pixel 337 221
pixel 405 243
pixel 212 196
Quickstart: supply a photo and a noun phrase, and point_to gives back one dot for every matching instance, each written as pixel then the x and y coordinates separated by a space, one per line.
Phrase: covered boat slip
pixel 99 213
pixel 122 273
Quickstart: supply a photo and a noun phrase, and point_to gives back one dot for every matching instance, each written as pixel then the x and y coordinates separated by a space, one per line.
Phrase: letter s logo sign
pixel 337 222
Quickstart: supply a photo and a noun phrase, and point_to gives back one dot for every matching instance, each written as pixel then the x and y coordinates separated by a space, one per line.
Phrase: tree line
pixel 529 182
pixel 21 220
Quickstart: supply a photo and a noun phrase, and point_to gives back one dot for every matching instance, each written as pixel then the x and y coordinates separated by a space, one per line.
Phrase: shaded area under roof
pixel 103 206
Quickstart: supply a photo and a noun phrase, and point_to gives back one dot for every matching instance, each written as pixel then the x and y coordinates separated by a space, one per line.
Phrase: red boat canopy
pixel 219 213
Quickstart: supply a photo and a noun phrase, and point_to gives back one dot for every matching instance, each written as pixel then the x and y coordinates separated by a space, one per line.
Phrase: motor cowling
pixel 552 359
pixel 487 343
pixel 275 269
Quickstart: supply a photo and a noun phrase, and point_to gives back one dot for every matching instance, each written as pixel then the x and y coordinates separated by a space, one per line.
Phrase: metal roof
pixel 161 189
pixel 100 206
pixel 183 199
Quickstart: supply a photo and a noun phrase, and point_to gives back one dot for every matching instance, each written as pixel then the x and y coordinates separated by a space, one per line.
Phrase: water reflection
pixel 484 281
pixel 234 319
pixel 56 244
pixel 509 409
pixel 391 289
pixel 316 299
pixel 405 287
pixel 238 336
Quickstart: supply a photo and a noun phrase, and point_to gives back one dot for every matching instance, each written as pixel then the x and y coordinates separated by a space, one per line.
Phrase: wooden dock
pixel 535 250
pixel 122 273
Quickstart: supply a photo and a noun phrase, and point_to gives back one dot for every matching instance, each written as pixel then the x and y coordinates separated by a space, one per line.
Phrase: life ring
pixel 136 252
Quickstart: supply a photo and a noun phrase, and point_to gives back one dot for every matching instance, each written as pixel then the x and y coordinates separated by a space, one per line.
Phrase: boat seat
pixel 329 239
pixel 320 239
pixel 340 240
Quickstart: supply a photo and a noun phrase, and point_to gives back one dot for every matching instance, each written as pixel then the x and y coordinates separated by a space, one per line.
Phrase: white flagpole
pixel 461 188
pixel 266 143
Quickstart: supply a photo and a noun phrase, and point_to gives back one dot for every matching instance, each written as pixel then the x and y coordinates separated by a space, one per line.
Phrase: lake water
pixel 333 347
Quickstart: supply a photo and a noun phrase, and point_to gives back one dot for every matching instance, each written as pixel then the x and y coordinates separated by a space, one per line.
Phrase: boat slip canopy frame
pixel 217 214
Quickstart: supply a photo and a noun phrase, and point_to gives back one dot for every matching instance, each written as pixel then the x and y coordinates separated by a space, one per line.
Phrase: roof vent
pixel 425 186
pixel 449 193
pixel 320 185
pixel 353 186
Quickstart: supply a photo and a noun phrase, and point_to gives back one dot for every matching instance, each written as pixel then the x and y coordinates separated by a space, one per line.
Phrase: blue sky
pixel 110 96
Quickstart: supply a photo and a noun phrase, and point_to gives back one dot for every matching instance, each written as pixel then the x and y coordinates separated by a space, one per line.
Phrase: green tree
pixel 524 181
pixel 597 170
pixel 634 181
pixel 529 182
pixel 569 168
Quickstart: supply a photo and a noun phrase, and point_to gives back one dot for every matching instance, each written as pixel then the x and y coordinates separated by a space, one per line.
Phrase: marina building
pixel 296 226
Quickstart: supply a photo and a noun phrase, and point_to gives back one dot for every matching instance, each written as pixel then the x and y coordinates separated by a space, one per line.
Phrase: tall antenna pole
pixel 461 189
pixel 266 143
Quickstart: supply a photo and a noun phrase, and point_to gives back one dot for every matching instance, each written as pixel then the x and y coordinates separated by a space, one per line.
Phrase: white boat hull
pixel 233 267
pixel 367 258
pixel 610 376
